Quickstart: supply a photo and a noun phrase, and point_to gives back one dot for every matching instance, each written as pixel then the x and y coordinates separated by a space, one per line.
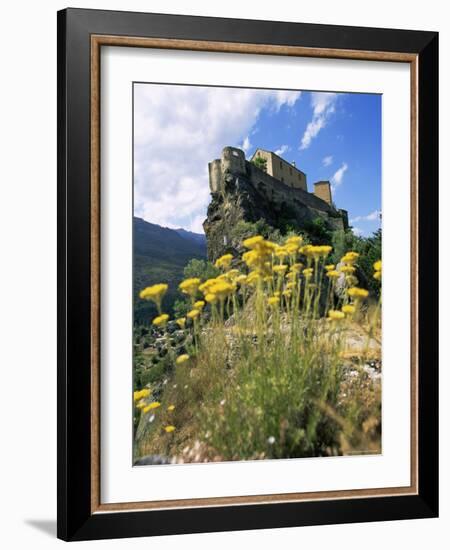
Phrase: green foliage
pixel 343 241
pixel 153 374
pixel 201 269
pixel 181 307
pixel 260 163
pixel 242 230
pixel 369 249
pixel 319 231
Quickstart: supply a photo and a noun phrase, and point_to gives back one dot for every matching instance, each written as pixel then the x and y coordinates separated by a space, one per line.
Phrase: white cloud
pixel 338 176
pixel 373 216
pixel 246 144
pixel 177 131
pixel 285 97
pixel 283 149
pixel 323 105
pixel 326 161
pixel 358 232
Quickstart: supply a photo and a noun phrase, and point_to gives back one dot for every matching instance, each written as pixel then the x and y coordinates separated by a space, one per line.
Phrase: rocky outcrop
pixel 240 191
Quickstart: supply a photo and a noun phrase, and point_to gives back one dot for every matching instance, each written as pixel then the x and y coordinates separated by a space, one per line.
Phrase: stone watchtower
pixel 322 189
pixel 232 161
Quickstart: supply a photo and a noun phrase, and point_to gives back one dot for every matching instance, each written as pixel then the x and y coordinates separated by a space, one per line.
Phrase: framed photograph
pixel 247 263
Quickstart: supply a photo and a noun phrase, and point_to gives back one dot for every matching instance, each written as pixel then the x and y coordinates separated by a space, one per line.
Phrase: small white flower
pixel 165 381
pixel 222 403
pixel 186 387
pixel 151 418
pixel 174 386
pixel 271 440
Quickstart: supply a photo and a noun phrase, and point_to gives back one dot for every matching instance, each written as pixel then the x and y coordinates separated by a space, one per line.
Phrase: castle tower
pixel 233 160
pixel 322 190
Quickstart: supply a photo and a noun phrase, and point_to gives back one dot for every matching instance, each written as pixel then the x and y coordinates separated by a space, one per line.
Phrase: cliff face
pixel 242 192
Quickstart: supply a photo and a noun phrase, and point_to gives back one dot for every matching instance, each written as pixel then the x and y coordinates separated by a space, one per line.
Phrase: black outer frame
pixel 75 521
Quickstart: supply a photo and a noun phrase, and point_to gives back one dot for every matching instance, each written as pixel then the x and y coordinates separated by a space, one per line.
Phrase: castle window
pixel 281 165
pixel 290 171
pixel 282 179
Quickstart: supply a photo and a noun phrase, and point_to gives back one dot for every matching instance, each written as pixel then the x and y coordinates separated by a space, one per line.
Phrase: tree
pixel 200 268
pixel 260 163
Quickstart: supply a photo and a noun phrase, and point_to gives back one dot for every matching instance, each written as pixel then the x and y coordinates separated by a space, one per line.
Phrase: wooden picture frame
pixel 81 35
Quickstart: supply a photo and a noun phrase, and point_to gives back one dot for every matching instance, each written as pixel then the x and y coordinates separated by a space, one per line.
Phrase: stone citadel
pixel 265 188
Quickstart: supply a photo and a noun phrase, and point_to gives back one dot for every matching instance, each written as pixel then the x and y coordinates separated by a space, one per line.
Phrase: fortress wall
pixel 276 191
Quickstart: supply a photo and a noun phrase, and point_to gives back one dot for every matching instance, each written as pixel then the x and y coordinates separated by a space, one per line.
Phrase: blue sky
pixel 179 129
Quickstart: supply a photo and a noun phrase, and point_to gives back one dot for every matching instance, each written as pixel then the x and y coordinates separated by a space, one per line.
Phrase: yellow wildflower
pixel 377 275
pixel 141 404
pixel 253 277
pixel 224 261
pixel 324 250
pixel 171 408
pixel 287 293
pixel 306 249
pixel 347 269
pixel 333 274
pixel 295 239
pixel 330 267
pixel 211 298
pixel 137 395
pixel 280 269
pixel 181 359
pixel 296 267
pixel 161 320
pixel 193 314
pixel 154 293
pixel 190 286
pixel 335 315
pixel 169 429
pixel 222 289
pixel 242 279
pixel 181 322
pixel 273 301
pixel 252 242
pixel 281 252
pixel 250 258
pixel 199 305
pixel 350 257
pixel 152 406
pixel 308 272
pixel 377 265
pixel 356 292
pixel 204 287
pixel 348 308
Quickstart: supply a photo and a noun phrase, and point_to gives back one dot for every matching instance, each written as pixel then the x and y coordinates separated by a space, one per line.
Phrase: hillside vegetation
pixel 160 254
pixel 277 357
